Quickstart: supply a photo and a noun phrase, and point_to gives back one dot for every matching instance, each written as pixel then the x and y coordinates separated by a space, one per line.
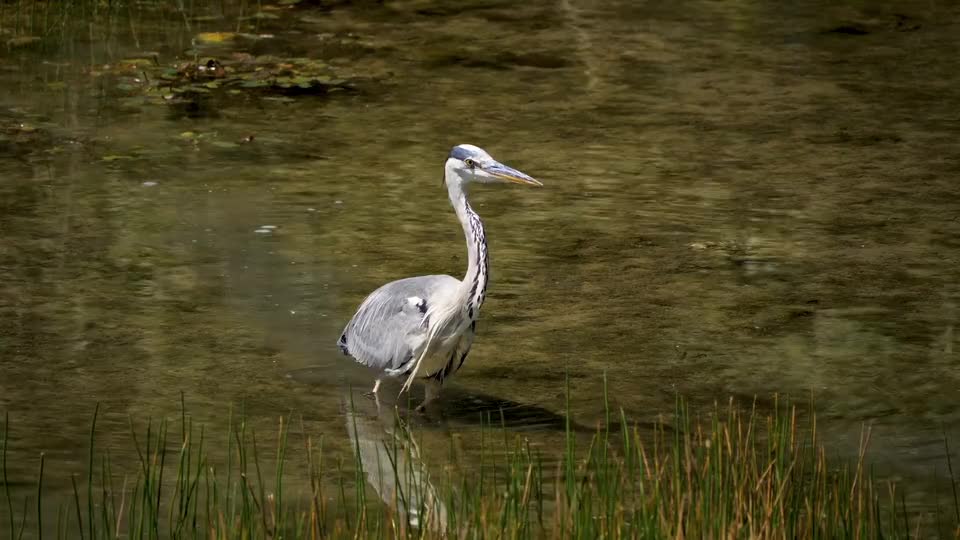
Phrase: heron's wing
pixel 389 330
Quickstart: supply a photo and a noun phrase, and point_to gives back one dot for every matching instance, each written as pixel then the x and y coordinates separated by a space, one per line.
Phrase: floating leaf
pixel 206 18
pixel 22 41
pixel 254 37
pixel 140 62
pixel 264 15
pixel 214 37
pixel 304 82
pixel 133 101
pixel 221 75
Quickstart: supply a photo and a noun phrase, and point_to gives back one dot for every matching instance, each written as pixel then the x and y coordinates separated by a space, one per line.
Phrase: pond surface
pixel 741 199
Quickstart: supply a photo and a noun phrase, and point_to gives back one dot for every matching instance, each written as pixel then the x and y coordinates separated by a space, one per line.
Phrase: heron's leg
pixel 432 391
pixel 373 393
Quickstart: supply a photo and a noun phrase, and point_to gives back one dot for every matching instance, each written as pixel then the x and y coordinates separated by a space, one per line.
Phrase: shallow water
pixel 741 198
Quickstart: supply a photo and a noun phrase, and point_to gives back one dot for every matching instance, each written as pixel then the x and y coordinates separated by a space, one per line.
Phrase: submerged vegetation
pixel 207 55
pixel 731 474
pixel 192 59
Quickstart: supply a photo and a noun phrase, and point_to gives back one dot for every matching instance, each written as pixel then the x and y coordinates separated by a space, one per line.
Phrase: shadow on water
pixel 457 407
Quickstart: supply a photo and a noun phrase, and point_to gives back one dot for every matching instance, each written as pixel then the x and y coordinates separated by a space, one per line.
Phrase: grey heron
pixel 423 327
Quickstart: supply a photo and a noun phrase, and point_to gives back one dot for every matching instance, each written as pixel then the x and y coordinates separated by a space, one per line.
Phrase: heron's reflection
pixel 390 457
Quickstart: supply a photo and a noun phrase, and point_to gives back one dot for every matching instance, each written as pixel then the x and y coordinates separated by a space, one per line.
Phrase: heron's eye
pixel 470 163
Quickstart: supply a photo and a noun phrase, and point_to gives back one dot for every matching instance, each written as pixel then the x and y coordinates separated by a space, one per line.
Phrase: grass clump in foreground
pixel 736 474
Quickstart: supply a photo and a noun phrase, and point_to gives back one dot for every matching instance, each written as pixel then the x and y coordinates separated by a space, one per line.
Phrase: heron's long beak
pixel 511 175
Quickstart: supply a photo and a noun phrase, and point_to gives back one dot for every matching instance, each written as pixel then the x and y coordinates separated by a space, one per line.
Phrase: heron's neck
pixel 474 284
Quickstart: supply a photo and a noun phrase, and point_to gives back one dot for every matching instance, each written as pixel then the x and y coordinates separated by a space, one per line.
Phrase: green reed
pixel 732 473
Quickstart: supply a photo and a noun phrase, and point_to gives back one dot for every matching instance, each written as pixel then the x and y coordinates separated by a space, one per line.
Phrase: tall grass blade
pixel 734 473
pixel 953 480
pixel 90 454
pixel 3 466
pixel 76 501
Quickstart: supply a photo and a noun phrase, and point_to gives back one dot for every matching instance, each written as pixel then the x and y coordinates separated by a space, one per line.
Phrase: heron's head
pixel 469 163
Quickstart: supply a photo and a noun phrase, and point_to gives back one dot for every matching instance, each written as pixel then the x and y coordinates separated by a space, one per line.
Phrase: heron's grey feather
pixel 388 331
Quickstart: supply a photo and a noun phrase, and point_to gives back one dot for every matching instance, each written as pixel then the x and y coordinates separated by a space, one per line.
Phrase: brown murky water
pixel 742 198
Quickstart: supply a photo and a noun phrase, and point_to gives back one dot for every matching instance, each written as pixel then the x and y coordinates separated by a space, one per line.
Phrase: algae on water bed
pixel 225 79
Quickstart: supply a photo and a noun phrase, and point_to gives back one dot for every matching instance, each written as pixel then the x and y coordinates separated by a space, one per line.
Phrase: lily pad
pixel 169 74
pixel 264 73
pixel 140 62
pixel 26 135
pixel 213 80
pixel 214 37
pixel 263 15
pixel 22 41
